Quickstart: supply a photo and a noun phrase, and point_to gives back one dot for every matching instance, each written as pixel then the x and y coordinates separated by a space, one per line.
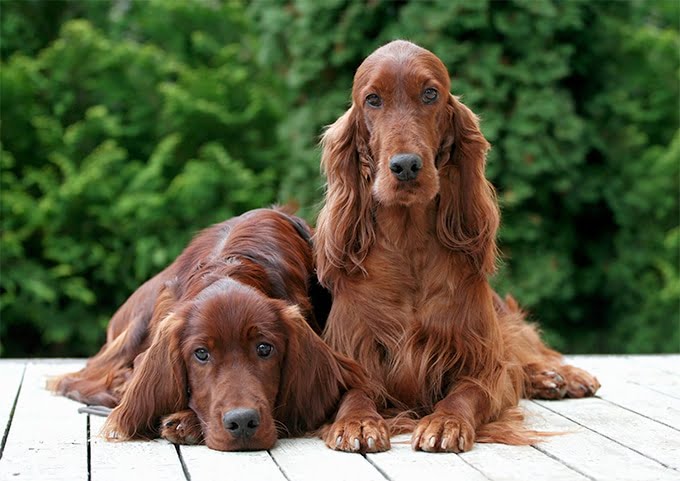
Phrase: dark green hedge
pixel 126 127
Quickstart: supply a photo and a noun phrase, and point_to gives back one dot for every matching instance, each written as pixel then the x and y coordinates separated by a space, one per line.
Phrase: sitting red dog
pixel 220 346
pixel 406 241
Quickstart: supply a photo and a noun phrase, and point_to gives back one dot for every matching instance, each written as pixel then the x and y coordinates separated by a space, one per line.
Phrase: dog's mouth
pixel 407 192
pixel 252 444
pixel 221 440
pixel 408 187
pixel 421 190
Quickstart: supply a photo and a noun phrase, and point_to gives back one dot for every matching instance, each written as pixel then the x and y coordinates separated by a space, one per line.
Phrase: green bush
pixel 128 126
pixel 580 102
pixel 116 149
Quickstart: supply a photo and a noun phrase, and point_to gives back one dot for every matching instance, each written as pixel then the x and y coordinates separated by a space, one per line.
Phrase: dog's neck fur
pixel 405 227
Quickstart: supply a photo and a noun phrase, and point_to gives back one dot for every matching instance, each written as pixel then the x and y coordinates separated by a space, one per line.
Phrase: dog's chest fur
pixel 413 281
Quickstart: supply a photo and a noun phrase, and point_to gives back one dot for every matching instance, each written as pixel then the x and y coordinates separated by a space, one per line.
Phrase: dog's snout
pixel 241 422
pixel 406 166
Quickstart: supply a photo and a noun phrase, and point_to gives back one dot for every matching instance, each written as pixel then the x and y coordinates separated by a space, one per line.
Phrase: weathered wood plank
pixel 590 453
pixel 631 433
pixel 638 383
pixel 668 388
pixel 309 459
pixel 666 363
pixel 403 463
pixel 11 374
pixel 643 361
pixel 644 401
pixel 659 373
pixel 518 463
pixel 205 464
pixel 652 439
pixel 48 438
pixel 114 461
pixel 638 368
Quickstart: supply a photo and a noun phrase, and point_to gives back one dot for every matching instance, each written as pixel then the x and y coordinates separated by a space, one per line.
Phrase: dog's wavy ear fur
pixel 468 216
pixel 345 230
pixel 313 377
pixel 158 386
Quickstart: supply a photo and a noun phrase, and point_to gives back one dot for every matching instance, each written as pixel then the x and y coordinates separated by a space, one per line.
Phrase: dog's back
pixel 281 268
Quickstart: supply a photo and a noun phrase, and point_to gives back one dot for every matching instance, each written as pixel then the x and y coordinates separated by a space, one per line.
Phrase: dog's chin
pixel 225 442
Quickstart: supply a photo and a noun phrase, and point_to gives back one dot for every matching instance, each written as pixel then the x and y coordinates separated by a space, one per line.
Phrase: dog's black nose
pixel 241 422
pixel 406 166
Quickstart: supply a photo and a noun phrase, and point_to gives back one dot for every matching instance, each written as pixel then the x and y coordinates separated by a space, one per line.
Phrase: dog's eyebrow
pixel 253 331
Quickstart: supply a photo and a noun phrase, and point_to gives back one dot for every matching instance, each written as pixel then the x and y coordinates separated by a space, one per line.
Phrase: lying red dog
pixel 220 347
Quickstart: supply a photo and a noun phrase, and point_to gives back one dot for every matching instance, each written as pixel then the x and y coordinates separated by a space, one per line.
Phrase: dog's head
pixel 250 367
pixel 404 142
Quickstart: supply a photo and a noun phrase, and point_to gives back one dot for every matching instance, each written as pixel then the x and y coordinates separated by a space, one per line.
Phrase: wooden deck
pixel 631 431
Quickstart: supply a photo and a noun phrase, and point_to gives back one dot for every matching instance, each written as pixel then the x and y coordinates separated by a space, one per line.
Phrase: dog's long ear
pixel 345 231
pixel 158 386
pixel 467 217
pixel 313 377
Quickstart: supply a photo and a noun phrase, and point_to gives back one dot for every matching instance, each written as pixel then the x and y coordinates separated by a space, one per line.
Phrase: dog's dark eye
pixel 202 354
pixel 430 95
pixel 264 350
pixel 373 100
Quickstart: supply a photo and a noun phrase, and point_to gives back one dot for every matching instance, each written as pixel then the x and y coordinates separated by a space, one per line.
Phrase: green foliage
pixel 116 148
pixel 580 102
pixel 128 126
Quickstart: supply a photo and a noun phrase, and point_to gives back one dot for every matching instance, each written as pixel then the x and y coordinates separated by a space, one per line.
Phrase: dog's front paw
pixel 182 428
pixel 439 432
pixel 358 435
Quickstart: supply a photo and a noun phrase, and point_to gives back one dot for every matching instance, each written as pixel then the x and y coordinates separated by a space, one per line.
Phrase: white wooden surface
pixel 10 377
pixel 47 438
pixel 630 431
pixel 207 465
pixel 113 461
pixel 402 463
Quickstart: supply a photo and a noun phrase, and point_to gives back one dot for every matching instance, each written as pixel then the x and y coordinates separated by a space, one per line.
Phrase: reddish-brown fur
pixel 408 262
pixel 237 285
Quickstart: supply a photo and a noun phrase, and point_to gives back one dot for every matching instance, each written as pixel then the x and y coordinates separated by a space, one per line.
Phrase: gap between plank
pixel 605 436
pixel 377 468
pixel 473 466
pixel 89 451
pixel 384 474
pixel 283 472
pixel 562 462
pixel 11 413
pixel 181 461
pixel 639 414
pixel 655 390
